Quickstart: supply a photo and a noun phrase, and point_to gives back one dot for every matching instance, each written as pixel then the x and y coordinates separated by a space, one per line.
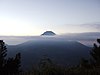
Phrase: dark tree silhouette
pixel 85 64
pixel 10 66
pixel 3 54
pixel 45 62
pixel 17 62
pixel 46 66
pixel 95 54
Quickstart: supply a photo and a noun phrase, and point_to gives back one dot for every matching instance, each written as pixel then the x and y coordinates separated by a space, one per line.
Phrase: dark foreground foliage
pixel 8 66
pixel 47 67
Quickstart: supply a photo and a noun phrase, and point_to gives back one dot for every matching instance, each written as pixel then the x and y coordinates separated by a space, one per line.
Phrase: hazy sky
pixel 33 17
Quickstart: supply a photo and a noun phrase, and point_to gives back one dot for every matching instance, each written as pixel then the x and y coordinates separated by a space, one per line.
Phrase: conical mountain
pixel 48 33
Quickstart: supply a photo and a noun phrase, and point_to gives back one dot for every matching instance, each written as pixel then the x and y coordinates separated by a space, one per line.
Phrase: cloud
pixel 80 28
pixel 95 26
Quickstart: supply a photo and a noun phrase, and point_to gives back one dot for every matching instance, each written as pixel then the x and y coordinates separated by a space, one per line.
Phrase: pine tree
pixel 17 62
pixel 10 66
pixel 3 54
pixel 95 54
pixel 46 66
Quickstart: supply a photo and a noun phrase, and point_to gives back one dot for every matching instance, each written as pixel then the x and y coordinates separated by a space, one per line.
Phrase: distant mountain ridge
pixel 86 38
pixel 60 51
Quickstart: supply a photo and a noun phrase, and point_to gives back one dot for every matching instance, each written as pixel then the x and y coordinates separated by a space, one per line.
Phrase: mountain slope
pixel 60 51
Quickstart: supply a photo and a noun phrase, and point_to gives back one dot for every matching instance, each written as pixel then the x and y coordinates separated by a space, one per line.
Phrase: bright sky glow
pixel 33 17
